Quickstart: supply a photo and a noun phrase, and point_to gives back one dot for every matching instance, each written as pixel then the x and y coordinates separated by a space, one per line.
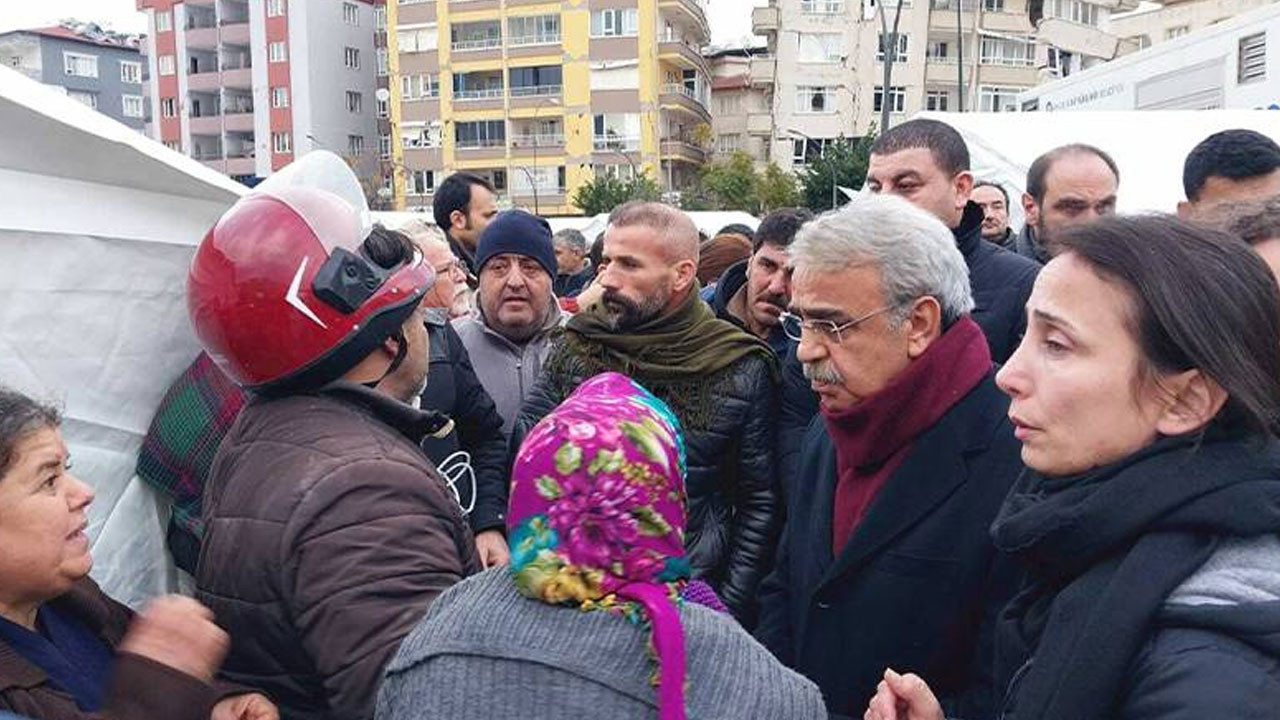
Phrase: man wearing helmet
pixel 327 531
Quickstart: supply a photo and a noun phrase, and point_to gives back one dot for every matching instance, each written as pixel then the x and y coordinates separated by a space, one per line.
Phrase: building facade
pixel 101 69
pixel 826 62
pixel 245 86
pixel 1172 19
pixel 540 96
pixel 735 101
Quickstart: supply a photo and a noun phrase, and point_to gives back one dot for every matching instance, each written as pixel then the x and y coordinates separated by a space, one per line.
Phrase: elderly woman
pixel 596 616
pixel 67 651
pixel 1146 394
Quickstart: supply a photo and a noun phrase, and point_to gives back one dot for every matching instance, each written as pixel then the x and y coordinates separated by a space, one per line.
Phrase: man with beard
pixel 1070 185
pixel 886 560
pixel 516 310
pixel 720 382
pixel 753 293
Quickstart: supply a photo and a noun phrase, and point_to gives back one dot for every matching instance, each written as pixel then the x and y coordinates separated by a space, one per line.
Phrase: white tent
pixel 97 228
pixel 1148 146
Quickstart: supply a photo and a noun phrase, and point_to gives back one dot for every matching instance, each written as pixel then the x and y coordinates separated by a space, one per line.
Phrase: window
pixel 615 23
pixel 84 97
pixel 380 107
pixel 422 182
pixel 533 30
pixel 482 134
pixel 277 52
pixel 383 62
pixel 938 51
pixel 279 97
pixel 281 142
pixel 1062 61
pixel 168 107
pixel 819 47
pixel 351 58
pixel 131 106
pixel 1007 51
pixel 380 18
pixel 499 179
pixel 476 36
pixel 355 144
pixel 897 99
pixel 275 8
pixel 545 179
pixel 900 55
pixel 165 64
pixel 542 80
pixel 351 13
pixel 729 103
pixel 417 87
pixel 616 131
pixel 993 5
pixel 815 99
pixel 806 150
pixel 993 98
pixel 822 7
pixel 1074 11
pixel 935 100
pixel 417 40
pixel 419 136
pixel 729 143
pixel 477 86
pixel 1176 32
pixel 384 146
pixel 1252 58
pixel 80 65
pixel 164 21
pixel 130 72
pixel 355 101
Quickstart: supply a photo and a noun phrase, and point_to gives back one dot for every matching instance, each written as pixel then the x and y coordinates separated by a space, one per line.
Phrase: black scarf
pixel 1104 549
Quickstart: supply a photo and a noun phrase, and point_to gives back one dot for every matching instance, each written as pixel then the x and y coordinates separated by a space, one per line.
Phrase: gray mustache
pixel 822 372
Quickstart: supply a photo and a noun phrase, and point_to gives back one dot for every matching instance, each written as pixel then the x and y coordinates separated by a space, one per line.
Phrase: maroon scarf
pixel 873 437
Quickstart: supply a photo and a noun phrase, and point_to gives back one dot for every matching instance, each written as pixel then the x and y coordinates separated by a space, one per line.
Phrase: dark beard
pixel 624 314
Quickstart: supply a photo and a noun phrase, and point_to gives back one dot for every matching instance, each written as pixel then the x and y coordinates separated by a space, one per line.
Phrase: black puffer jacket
pixel 733 506
pixel 1001 282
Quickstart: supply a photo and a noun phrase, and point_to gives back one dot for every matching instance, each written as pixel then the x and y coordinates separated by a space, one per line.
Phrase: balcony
pixel 683 150
pixel 482 143
pixel 1080 39
pixel 694 11
pixel 683 54
pixel 760 124
pixel 207 81
pixel 538 140
pixel 687 99
pixel 616 143
pixel 235 32
pixel 763 70
pixel 469 94
pixel 535 91
pixel 764 20
pixel 238 78
pixel 468 37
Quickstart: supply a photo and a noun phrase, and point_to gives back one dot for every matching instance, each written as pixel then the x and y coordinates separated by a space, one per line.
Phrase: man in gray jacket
pixel 516 309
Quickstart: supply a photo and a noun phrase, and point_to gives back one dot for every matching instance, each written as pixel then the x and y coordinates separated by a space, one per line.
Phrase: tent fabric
pixel 97 228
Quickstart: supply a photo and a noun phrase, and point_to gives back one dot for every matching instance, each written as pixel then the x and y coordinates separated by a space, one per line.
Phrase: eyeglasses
pixel 793 325
pixel 450 268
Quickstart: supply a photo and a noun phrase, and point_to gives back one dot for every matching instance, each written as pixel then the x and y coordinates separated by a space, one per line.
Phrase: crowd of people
pixel 896 461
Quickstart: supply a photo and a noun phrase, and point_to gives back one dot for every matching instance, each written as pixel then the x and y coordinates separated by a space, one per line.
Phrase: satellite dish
pixel 382 94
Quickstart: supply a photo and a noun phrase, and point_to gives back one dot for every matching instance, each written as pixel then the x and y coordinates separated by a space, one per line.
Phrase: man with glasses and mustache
pixel 720 382
pixel 752 294
pixel 885 560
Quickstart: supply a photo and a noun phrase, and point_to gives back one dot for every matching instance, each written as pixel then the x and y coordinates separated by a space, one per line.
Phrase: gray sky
pixel 730 19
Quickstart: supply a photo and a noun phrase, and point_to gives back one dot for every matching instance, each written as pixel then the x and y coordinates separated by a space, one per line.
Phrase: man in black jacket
pixel 719 381
pixel 885 560
pixel 1067 186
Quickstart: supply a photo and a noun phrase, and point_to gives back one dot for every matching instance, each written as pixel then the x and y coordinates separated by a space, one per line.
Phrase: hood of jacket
pixel 1235 593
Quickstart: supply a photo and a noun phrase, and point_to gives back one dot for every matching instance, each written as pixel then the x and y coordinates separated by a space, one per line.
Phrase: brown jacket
pixel 140 688
pixel 327 535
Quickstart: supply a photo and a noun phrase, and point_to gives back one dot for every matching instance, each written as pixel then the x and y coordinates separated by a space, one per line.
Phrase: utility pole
pixel 960 52
pixel 889 48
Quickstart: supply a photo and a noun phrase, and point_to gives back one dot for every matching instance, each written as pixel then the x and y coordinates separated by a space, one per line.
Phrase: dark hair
pixel 1201 299
pixel 998 186
pixel 455 194
pixel 739 229
pixel 779 227
pixel 19 417
pixel 948 148
pixel 1256 221
pixel 596 253
pixel 719 253
pixel 1234 154
pixel 1041 166
pixel 387 248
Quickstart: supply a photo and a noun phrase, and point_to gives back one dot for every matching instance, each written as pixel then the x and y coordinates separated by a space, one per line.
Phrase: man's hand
pixel 492 549
pixel 251 706
pixel 178 632
pixel 903 697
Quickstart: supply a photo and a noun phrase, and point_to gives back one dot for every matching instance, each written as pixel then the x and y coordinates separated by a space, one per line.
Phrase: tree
pixel 604 193
pixel 733 183
pixel 776 188
pixel 843 164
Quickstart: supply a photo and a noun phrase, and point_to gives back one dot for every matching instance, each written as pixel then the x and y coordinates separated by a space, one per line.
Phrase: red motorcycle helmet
pixel 280 292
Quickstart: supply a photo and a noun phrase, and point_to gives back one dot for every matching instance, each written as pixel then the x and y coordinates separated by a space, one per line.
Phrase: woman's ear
pixel 1193 399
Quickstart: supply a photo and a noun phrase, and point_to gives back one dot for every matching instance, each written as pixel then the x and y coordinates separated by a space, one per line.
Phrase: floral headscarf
pixel 597 515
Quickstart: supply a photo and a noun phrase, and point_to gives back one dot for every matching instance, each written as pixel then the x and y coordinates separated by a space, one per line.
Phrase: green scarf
pixel 674 356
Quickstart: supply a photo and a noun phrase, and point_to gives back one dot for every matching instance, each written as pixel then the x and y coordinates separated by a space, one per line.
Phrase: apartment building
pixel 825 67
pixel 1154 23
pixel 541 96
pixel 735 101
pixel 245 86
pixel 99 68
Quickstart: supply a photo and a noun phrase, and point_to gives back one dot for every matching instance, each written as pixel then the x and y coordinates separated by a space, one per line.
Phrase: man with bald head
pixel 720 381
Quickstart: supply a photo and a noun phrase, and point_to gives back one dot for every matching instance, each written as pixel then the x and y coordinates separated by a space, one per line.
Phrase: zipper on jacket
pixel 1008 691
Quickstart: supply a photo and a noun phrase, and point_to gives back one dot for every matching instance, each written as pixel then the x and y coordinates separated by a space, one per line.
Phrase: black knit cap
pixel 519 233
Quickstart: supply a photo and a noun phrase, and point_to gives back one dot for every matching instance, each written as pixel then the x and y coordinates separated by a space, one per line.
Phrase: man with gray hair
pixel 885 560
pixel 573 269
pixel 719 380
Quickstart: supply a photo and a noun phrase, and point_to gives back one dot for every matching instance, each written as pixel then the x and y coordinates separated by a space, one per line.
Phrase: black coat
pixel 918 587
pixel 454 390
pixel 1001 282
pixel 733 507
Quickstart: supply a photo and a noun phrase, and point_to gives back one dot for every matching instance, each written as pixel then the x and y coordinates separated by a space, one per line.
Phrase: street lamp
pixel 545 102
pixel 834 202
